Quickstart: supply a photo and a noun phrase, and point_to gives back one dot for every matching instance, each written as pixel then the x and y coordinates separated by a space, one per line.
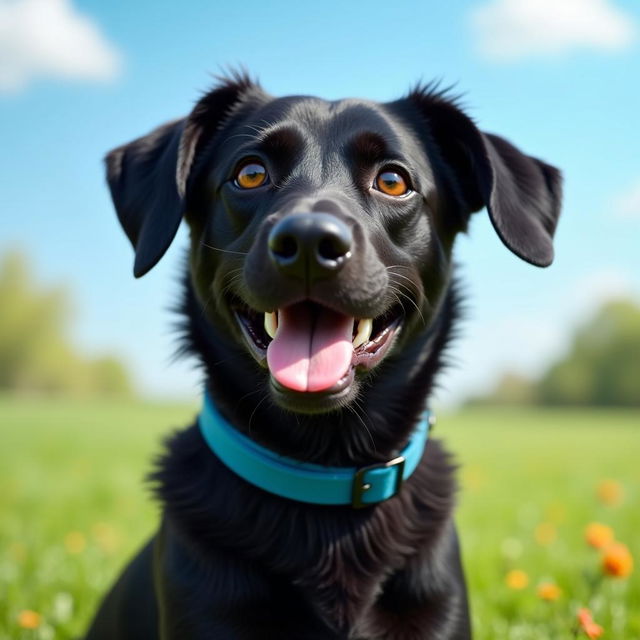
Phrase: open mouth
pixel 311 348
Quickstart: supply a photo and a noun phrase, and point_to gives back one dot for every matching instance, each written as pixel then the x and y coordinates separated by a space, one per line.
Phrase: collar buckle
pixel 361 486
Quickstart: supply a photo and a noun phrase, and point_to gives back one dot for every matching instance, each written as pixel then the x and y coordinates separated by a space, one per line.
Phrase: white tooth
pixel 365 327
pixel 271 323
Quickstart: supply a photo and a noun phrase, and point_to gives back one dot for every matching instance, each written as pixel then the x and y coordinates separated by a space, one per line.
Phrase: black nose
pixel 310 246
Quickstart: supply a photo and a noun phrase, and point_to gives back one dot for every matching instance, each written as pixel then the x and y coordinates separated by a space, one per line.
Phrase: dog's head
pixel 321 232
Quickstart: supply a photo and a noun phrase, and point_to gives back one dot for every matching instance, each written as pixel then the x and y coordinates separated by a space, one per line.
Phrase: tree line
pixel 36 355
pixel 601 367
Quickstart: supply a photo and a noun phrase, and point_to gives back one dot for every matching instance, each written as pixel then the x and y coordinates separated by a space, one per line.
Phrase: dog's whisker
pixel 362 422
pixel 411 292
pixel 228 288
pixel 237 135
pixel 260 131
pixel 232 278
pixel 234 274
pixel 401 286
pixel 266 125
pixel 410 289
pixel 231 282
pixel 394 287
pixel 265 397
pixel 395 295
pixel 399 266
pixel 208 246
pixel 206 303
pixel 399 275
pixel 235 270
pixel 257 132
pixel 247 395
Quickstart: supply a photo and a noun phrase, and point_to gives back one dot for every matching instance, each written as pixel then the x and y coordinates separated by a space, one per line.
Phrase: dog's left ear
pixel 148 177
pixel 522 194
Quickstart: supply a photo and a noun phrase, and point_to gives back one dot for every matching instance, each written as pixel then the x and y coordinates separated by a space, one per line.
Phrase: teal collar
pixel 304 481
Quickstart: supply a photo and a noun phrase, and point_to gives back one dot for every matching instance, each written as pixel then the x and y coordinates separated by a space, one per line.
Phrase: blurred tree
pixel 603 364
pixel 511 389
pixel 109 376
pixel 34 352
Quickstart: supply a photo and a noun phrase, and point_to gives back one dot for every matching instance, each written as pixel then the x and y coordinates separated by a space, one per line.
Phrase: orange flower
pixel 28 619
pixel 586 624
pixel 516 579
pixel 545 533
pixel 549 591
pixel 610 492
pixel 598 535
pixel 617 560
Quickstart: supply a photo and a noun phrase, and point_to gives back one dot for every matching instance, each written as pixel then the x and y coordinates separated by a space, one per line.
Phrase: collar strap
pixel 304 481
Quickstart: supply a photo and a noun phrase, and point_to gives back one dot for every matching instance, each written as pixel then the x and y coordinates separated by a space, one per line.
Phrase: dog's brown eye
pixel 392 183
pixel 251 175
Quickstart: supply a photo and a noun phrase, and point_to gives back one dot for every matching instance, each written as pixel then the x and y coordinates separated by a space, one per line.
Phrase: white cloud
pixel 510 30
pixel 627 204
pixel 50 38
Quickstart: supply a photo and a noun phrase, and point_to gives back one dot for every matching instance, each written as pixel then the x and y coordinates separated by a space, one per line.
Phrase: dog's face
pixel 321 232
pixel 316 237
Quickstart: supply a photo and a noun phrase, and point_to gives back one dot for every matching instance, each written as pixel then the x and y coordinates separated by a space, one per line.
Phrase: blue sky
pixel 559 79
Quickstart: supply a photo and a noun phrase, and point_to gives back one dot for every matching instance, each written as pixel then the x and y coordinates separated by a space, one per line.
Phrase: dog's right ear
pixel 148 177
pixel 521 194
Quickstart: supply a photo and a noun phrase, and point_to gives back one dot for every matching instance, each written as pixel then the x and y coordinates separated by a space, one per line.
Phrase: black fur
pixel 230 560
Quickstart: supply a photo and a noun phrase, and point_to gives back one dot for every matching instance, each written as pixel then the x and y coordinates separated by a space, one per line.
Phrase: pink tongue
pixel 312 349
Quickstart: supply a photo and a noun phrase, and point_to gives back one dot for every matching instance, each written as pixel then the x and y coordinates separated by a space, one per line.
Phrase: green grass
pixel 73 508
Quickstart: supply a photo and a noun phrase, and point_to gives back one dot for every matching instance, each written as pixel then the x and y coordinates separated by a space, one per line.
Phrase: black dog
pixel 319 223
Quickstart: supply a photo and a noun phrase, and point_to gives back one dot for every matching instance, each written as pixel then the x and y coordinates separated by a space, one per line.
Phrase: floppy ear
pixel 148 177
pixel 522 194
pixel 142 180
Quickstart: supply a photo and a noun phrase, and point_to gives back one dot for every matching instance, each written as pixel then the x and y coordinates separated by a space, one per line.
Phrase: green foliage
pixel 75 508
pixel 35 354
pixel 512 389
pixel 603 365
pixel 109 376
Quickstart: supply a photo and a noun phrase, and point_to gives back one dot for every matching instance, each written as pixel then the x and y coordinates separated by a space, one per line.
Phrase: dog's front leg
pixel 426 600
pixel 214 593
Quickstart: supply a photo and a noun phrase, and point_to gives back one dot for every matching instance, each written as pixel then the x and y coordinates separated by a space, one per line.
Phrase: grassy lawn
pixel 73 508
